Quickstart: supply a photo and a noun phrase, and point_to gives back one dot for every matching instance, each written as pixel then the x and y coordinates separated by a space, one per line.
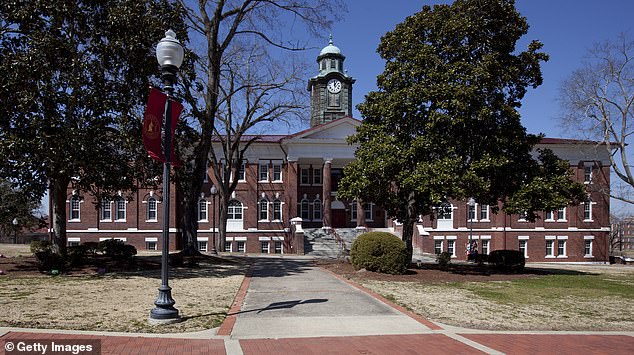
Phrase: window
pixel 587 211
pixel 549 248
pixel 549 216
pixel 587 174
pixel 561 248
pixel 303 176
pixel 333 64
pixel 524 250
pixel 72 243
pixel 106 209
pixel 353 211
pixel 202 245
pixel 278 247
pixel 235 210
pixel 241 176
pixel 437 246
pixel 119 204
pixel 264 210
pixel 451 247
pixel 588 248
pixel 277 210
pixel 151 209
pixel 316 176
pixel 522 217
pixel 241 248
pixel 484 212
pixel 368 207
pixel 202 210
pixel 472 212
pixel 445 211
pixel 485 247
pixel 264 247
pixel 277 171
pixel 228 246
pixel 317 209
pixel 74 208
pixel 150 245
pixel 323 64
pixel 304 209
pixel 561 214
pixel 264 171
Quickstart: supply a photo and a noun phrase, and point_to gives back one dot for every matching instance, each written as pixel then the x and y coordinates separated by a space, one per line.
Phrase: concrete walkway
pixel 289 306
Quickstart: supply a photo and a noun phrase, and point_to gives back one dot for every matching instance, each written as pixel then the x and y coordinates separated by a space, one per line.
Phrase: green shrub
pixel 40 246
pixel 379 251
pixel 91 247
pixel 508 260
pixel 117 249
pixel 77 255
pixel 443 259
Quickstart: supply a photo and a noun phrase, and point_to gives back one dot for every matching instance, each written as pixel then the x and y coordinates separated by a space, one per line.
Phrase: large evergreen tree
pixel 75 76
pixel 444 122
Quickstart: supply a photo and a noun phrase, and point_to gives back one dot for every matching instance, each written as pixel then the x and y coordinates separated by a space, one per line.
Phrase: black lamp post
pixel 169 54
pixel 214 192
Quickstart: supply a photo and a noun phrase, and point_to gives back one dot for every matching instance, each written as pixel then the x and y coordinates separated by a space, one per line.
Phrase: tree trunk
pixel 190 193
pixel 408 233
pixel 58 188
pixel 222 222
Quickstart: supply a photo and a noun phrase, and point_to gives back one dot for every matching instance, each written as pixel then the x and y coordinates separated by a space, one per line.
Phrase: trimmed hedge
pixel 117 249
pixel 508 260
pixel 381 252
pixel 443 259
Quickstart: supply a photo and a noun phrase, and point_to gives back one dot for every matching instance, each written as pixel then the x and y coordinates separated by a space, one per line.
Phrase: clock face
pixel 334 86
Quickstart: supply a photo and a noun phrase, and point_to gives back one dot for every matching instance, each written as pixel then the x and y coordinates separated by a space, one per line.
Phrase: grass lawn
pixel 578 298
pixel 117 301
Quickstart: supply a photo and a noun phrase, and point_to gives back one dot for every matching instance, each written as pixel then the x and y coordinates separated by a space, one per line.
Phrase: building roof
pixel 548 140
pixel 330 49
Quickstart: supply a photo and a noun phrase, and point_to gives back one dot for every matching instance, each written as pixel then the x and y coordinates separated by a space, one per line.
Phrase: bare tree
pixel 234 87
pixel 598 103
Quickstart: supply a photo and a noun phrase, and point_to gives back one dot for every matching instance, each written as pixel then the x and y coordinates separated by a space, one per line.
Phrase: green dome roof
pixel 330 49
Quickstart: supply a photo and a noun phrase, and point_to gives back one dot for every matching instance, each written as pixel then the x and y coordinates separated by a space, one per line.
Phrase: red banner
pixel 152 124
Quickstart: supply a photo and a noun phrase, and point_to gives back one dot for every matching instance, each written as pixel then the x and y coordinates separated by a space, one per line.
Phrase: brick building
pixel 290 176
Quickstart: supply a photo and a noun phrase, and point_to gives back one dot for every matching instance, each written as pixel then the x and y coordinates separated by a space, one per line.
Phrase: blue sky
pixel 567 28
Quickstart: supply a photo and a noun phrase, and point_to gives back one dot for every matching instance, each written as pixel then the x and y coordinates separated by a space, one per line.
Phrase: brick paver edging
pixel 401 309
pixel 227 325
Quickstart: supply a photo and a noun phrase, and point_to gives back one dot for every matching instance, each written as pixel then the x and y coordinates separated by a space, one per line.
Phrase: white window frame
pixel 277 210
pixel 151 200
pixel 117 209
pixel 588 239
pixel 551 241
pixel 72 208
pixel 587 207
pixel 488 246
pixel 263 170
pixel 353 211
pixel 444 207
pixel 441 248
pixel 587 176
pixel 564 241
pixel 317 210
pixel 242 175
pixel 484 213
pixel 475 213
pixel 232 210
pixel 239 244
pixel 268 246
pixel 304 172
pixel 451 247
pixel 317 176
pixel 525 243
pixel 105 202
pixel 304 206
pixel 368 209
pixel 203 211
pixel 263 210
pixel 281 243
pixel 277 164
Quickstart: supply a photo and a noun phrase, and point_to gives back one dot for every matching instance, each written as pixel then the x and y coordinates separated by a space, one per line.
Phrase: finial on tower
pixel 330 41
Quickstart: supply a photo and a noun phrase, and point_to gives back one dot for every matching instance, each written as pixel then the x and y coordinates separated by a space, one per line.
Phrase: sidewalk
pixel 289 306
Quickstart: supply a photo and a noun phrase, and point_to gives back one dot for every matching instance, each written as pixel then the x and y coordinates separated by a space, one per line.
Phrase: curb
pixel 227 325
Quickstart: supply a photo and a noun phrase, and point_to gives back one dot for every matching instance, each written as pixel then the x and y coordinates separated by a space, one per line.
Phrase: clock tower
pixel 331 89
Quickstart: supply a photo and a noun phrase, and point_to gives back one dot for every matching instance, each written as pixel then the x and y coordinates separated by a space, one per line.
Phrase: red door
pixel 338 218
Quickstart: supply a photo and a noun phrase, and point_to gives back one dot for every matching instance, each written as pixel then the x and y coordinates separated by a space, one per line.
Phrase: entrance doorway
pixel 338 214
